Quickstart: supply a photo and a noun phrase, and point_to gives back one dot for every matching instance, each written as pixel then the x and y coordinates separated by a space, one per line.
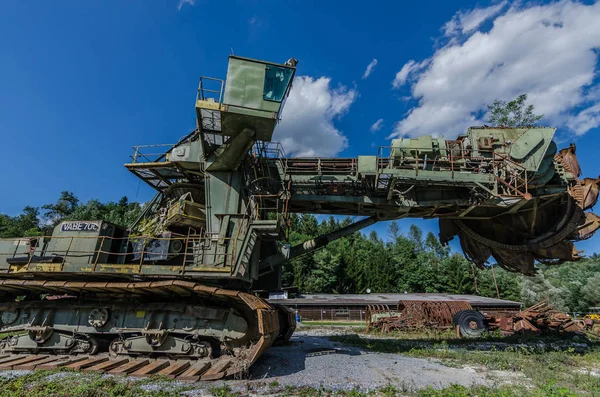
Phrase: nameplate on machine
pixel 79 227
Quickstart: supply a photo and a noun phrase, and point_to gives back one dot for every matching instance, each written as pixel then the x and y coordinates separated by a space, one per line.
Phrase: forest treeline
pixel 398 261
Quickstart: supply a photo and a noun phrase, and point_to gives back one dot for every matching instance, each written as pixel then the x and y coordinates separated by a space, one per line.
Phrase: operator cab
pixel 251 98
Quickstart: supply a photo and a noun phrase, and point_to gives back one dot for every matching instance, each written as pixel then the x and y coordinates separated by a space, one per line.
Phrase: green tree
pixel 415 234
pixel 457 275
pixel 122 213
pixel 591 292
pixel 513 114
pixel 538 288
pixel 394 230
pixel 23 225
pixel 433 245
pixel 66 204
pixel 68 207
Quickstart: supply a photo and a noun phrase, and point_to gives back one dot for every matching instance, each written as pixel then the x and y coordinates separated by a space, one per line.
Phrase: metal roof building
pixel 352 307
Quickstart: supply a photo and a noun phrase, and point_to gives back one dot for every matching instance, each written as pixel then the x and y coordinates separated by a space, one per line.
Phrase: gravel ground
pixel 313 360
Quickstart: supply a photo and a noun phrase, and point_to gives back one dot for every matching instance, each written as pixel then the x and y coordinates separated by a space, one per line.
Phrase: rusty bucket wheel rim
pixel 559 232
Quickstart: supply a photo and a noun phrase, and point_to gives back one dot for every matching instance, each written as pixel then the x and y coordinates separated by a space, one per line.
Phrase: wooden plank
pixel 12 358
pixel 217 371
pixel 129 367
pixel 195 371
pixel 107 365
pixel 152 368
pixel 87 363
pixel 62 363
pixel 22 360
pixel 175 368
pixel 35 364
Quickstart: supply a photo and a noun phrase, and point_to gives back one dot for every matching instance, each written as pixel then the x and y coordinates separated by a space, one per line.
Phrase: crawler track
pixel 265 323
pixel 188 370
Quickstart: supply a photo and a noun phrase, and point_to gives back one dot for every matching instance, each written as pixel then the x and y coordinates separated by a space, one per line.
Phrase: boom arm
pixel 314 244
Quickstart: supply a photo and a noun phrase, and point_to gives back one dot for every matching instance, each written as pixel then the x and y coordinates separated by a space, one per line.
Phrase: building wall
pixel 331 313
pixel 358 313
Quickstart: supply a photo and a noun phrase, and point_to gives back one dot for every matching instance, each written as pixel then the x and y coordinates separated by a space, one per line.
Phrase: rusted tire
pixel 471 323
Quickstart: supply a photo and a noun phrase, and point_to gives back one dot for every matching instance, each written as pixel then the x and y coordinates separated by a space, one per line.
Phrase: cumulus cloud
pixel 308 121
pixel 466 22
pixel 184 2
pixel 377 125
pixel 585 120
pixel 370 68
pixel 409 68
pixel 549 52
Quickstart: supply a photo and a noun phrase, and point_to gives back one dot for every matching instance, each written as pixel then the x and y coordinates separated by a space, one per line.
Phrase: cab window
pixel 277 80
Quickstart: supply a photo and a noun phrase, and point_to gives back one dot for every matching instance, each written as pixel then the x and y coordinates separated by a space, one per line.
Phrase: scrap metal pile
pixel 537 319
pixel 414 314
pixel 591 324
pixel 441 315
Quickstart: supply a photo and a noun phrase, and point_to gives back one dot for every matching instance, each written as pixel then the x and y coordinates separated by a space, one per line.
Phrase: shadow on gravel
pixel 291 358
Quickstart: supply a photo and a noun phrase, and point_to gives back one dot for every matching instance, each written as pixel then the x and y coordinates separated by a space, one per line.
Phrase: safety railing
pixel 151 153
pixel 67 249
pixel 215 92
pixel 268 149
pixel 511 177
pixel 270 186
pixel 265 205
pixel 321 166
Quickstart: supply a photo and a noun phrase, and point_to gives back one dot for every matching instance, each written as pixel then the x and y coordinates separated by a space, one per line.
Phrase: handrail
pixel 94 255
pixel 200 96
pixel 150 157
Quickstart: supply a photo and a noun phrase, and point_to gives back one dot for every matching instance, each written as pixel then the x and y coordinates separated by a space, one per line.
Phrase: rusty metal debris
pixel 591 324
pixel 414 314
pixel 537 319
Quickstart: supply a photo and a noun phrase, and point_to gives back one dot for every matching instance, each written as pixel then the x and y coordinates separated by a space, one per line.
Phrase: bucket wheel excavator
pixel 176 293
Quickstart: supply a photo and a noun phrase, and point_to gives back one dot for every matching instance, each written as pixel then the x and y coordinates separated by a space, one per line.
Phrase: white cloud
pixel 183 2
pixel 548 51
pixel 585 120
pixel 370 68
pixel 466 22
pixel 410 67
pixel 308 126
pixel 377 125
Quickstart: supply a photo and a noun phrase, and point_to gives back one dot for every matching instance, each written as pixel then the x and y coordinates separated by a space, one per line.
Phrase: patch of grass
pixel 274 384
pixel 223 391
pixel 425 334
pixel 71 384
pixel 552 373
pixel 549 390
pixel 350 393
pixel 475 391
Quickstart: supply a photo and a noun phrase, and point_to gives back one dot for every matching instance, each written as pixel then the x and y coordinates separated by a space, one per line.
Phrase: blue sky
pixel 82 82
